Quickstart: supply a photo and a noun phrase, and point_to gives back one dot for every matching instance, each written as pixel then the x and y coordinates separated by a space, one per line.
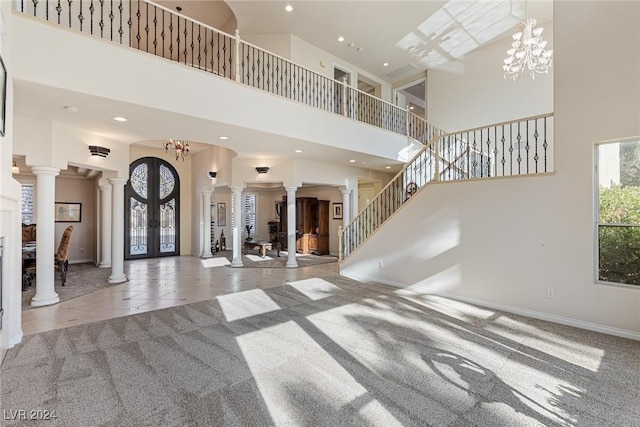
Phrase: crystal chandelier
pixel 527 51
pixel 181 147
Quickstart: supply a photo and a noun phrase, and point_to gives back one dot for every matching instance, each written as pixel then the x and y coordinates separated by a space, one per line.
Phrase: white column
pixel 237 224
pixel 346 207
pixel 291 227
pixel 45 236
pixel 206 218
pixel 117 231
pixel 105 226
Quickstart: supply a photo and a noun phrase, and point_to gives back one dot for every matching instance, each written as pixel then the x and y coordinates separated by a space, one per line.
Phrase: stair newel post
pixel 344 95
pixel 339 243
pixel 406 121
pixel 238 58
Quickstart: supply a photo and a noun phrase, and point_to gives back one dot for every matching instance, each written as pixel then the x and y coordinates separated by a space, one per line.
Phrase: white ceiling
pixel 378 27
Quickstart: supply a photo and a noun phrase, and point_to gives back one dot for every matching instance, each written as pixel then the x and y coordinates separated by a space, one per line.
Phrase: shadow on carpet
pixel 82 279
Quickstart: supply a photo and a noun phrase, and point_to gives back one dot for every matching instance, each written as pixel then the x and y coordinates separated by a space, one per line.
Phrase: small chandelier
pixel 181 147
pixel 527 50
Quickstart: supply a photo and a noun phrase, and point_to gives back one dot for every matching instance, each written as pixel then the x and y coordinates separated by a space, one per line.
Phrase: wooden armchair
pixel 61 261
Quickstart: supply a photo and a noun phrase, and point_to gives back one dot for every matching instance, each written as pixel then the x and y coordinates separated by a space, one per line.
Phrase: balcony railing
pixel 154 29
pixel 519 147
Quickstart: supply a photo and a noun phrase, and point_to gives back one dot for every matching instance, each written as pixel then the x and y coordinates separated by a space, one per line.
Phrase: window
pixel 250 204
pixel 618 215
pixel 27 203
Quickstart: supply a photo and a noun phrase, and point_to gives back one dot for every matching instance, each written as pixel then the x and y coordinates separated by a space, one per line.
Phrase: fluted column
pixel 45 237
pixel 206 218
pixel 105 226
pixel 117 231
pixel 291 227
pixel 237 224
pixel 346 207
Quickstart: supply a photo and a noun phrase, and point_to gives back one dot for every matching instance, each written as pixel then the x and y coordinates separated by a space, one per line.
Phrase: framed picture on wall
pixel 337 211
pixel 222 214
pixel 3 96
pixel 68 212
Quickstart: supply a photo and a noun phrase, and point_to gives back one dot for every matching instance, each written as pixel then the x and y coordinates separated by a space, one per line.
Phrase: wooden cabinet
pixel 312 225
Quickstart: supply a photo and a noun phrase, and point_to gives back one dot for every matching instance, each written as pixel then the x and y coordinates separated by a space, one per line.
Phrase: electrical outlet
pixel 550 293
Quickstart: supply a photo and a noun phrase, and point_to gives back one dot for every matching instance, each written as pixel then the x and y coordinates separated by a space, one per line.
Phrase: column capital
pixel 346 191
pixel 236 188
pixel 118 181
pixel 104 187
pixel 45 170
pixel 207 190
pixel 291 188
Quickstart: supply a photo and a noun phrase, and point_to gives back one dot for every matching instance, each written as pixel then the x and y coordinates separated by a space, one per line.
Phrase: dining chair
pixel 61 257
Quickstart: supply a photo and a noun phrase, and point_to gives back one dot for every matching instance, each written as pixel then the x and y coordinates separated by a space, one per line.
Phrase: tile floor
pixel 160 283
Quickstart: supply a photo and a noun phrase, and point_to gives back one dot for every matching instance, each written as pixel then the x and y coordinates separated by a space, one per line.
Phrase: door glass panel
pixel 139 219
pixel 168 226
pixel 167 181
pixel 139 178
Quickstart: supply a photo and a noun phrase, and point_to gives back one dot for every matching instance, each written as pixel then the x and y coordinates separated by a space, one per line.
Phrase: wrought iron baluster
pixel 536 157
pixel 171 36
pixel 101 23
pixel 503 161
pixel 91 9
pixel 510 149
pixel 155 30
pixel 519 159
pixel 545 145
pixel 121 28
pixel 111 18
pixel 527 146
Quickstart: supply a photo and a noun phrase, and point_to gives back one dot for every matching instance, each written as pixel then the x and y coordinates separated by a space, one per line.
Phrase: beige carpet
pixel 323 352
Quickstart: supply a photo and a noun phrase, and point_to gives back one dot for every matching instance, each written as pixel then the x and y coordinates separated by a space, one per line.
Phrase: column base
pixel 237 263
pixel 205 256
pixel 39 300
pixel 117 279
pixel 104 265
pixel 291 264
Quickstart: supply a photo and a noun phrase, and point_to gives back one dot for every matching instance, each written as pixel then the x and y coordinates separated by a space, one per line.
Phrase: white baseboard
pixel 82 261
pixel 609 330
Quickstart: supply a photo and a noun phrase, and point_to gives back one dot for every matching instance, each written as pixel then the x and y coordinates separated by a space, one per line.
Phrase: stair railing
pixel 155 29
pixel 517 147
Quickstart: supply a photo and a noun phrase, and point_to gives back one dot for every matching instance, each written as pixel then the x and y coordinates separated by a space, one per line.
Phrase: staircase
pixel 519 147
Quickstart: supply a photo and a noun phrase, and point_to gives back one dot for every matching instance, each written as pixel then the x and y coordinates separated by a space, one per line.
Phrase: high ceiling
pixel 408 35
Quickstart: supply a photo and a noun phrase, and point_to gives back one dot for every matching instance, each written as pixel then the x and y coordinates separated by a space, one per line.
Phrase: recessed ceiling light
pixel 352 161
pixel 298 151
pixel 385 64
pixel 224 137
pixel 340 39
pixel 288 8
pixel 358 49
pixel 71 108
pixel 351 45
pixel 119 119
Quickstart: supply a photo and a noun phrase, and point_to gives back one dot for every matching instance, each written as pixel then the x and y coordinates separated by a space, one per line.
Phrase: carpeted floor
pixel 324 352
pixel 82 279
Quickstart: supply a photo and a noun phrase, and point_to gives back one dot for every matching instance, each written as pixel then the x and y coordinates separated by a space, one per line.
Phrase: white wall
pixel 472 91
pixel 504 242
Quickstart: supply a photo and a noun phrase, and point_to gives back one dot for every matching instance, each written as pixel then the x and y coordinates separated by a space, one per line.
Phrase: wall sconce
pixel 15 168
pixel 212 174
pixel 99 151
pixel 262 169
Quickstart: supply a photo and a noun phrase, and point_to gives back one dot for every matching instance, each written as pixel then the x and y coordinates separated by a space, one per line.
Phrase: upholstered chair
pixel 61 261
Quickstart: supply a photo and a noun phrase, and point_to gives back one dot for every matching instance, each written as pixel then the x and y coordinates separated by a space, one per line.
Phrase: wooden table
pixel 261 246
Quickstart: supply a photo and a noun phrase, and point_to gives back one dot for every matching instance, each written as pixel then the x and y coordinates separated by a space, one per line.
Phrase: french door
pixel 152 209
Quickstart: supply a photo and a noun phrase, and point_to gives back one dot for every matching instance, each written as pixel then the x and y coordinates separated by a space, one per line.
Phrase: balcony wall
pixel 68 60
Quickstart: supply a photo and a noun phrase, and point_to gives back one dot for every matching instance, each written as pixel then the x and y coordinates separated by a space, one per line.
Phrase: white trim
pixel 609 330
pixel 16 339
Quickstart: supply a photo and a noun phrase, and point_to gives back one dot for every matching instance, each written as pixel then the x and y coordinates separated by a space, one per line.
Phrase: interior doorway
pixel 413 96
pixel 152 209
